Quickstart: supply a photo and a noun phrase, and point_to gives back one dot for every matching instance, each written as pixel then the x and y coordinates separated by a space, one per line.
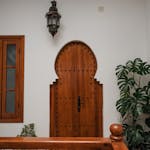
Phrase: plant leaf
pixel 121 71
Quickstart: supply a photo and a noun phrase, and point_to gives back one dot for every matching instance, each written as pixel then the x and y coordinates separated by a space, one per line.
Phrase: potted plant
pixel 133 80
pixel 28 131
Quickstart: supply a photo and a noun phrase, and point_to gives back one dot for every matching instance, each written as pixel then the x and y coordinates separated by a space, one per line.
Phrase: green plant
pixel 28 131
pixel 133 80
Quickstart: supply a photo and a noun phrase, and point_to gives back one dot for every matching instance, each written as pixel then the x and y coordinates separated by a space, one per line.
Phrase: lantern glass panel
pixel 54 20
pixel 49 20
pixel 57 22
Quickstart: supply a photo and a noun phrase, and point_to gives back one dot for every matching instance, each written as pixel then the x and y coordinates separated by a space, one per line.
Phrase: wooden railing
pixel 115 142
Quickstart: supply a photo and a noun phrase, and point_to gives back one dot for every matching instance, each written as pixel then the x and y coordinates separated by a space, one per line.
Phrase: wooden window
pixel 11 78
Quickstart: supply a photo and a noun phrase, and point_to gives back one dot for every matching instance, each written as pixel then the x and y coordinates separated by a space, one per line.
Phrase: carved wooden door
pixel 76 97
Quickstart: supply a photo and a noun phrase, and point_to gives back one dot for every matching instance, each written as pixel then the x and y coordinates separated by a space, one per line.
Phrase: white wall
pixel 147 8
pixel 116 34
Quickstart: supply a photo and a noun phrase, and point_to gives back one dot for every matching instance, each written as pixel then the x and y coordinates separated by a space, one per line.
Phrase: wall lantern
pixel 53 18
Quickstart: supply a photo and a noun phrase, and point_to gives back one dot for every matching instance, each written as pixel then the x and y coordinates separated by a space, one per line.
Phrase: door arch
pixel 76 97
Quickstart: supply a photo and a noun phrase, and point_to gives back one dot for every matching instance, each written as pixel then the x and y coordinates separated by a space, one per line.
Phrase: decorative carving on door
pixel 76 97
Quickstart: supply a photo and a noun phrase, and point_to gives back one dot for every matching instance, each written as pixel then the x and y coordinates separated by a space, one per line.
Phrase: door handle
pixel 78 104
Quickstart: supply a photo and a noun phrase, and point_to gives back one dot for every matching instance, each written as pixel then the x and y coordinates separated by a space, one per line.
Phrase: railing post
pixel 117 137
pixel 116 132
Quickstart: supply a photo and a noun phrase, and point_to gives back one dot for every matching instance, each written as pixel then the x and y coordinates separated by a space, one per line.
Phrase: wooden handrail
pixel 58 142
pixel 115 142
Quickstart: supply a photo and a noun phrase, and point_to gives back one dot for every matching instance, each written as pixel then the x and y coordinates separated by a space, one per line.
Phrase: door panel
pixel 76 97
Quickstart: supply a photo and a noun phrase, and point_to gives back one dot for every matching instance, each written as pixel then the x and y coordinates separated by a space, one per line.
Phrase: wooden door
pixel 76 97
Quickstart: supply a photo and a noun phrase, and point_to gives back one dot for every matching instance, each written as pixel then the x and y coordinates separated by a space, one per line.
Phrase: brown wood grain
pixel 76 66
pixel 58 143
pixel 1 54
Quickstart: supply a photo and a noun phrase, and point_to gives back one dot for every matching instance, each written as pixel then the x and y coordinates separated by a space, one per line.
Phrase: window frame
pixel 17 116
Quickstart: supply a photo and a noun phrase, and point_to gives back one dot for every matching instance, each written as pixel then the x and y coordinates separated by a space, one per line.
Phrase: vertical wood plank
pixel 4 68
pixel 1 77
